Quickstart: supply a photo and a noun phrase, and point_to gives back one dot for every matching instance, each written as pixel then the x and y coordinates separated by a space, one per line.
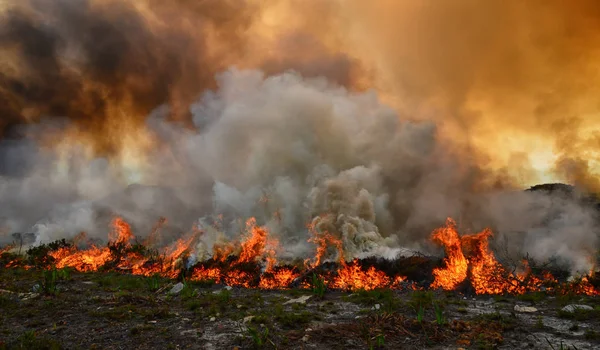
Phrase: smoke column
pixel 374 122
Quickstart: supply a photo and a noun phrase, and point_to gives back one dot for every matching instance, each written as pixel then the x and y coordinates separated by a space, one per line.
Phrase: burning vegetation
pixel 311 149
pixel 469 266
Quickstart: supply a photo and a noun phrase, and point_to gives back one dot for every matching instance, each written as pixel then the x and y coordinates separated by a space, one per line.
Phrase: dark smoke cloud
pixel 92 62
pixel 97 62
pixel 81 59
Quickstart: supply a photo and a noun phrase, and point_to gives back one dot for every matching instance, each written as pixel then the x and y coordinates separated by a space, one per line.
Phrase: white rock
pixel 221 290
pixel 248 319
pixel 301 300
pixel 177 288
pixel 28 296
pixel 213 319
pixel 520 308
pixel 377 306
pixel 189 331
pixel 305 338
pixel 573 307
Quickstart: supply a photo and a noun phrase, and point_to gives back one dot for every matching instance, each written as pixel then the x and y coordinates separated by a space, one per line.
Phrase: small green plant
pixel 539 324
pixel 49 284
pixel 379 341
pixel 318 286
pixel 293 320
pixel 533 297
pixel 188 290
pixel 580 314
pixel 153 282
pixel 439 314
pixel 384 297
pixel 224 296
pixel 420 313
pixel 64 273
pixel 259 339
pixel 419 298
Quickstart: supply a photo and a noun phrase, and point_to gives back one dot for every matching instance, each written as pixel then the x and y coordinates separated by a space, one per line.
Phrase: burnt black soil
pixel 71 310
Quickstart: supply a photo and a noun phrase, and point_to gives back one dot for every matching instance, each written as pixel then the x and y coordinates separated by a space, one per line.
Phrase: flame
pixel 238 278
pixel 202 273
pixel 456 264
pixel 323 240
pixel 484 272
pixel 583 287
pixel 6 249
pixel 84 261
pixel 279 279
pixel 469 259
pixel 121 232
pixel 256 245
pixel 353 277
pixel 350 276
pixel 120 238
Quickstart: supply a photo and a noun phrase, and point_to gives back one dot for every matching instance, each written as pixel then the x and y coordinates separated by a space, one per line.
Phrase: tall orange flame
pixel 456 264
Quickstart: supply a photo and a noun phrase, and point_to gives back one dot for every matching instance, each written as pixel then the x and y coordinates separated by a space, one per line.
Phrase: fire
pixel 238 278
pixel 456 263
pixel 350 276
pixel 253 263
pixel 207 274
pixel 121 232
pixel 277 279
pixel 323 240
pixel 84 261
pixel 353 277
pixel 256 244
pixel 5 249
pixel 120 237
pixel 582 286
pixel 484 272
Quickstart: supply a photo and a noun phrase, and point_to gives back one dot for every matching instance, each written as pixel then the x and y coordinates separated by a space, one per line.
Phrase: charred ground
pixel 65 309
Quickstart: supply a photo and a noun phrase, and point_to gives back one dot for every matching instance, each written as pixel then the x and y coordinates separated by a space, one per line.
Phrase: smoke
pixel 515 80
pixel 289 151
pixel 496 77
pixel 373 122
pixel 105 64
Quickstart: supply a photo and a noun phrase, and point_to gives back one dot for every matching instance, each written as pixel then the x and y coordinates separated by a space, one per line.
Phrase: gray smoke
pixel 290 151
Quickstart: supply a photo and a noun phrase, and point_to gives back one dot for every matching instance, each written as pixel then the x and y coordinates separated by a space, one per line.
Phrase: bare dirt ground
pixel 115 311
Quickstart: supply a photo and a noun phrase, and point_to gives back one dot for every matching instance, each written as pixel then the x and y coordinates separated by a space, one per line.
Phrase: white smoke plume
pixel 289 151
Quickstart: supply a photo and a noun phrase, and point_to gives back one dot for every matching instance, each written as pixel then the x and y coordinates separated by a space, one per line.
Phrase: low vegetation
pixel 63 309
